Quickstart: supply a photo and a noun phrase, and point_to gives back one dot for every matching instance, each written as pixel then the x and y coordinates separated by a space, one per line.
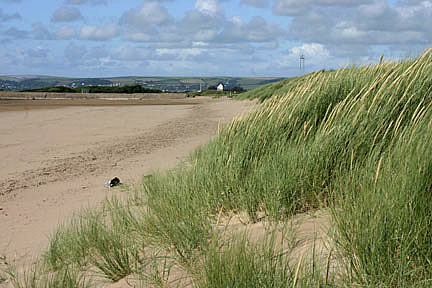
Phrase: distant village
pixel 168 84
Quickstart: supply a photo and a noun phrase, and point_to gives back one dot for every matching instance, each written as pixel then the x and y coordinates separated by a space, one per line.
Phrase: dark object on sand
pixel 114 182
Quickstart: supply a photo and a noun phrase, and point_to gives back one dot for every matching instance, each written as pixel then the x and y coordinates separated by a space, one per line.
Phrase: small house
pixel 220 87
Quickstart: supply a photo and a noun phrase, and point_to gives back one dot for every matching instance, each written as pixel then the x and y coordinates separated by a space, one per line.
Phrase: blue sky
pixel 100 38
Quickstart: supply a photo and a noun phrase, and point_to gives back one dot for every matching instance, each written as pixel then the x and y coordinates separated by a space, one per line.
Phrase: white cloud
pixel 256 30
pixel 374 9
pixel 66 33
pixel 326 31
pixel 346 30
pixel 198 26
pixel 316 56
pixel 364 30
pixel 66 14
pixel 295 7
pixel 237 20
pixel 312 50
pixel 89 32
pixel 148 14
pixel 199 44
pixel 139 37
pixel 409 11
pixel 208 7
pixel 144 24
pixel 181 53
pixel 130 53
pixel 204 35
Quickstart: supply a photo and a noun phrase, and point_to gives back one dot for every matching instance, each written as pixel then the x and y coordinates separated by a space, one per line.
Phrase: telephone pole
pixel 302 63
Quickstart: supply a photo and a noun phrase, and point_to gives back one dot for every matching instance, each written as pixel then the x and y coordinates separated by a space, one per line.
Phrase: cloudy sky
pixel 96 38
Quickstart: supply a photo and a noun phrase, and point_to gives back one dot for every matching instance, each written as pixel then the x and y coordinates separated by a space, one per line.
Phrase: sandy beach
pixel 56 161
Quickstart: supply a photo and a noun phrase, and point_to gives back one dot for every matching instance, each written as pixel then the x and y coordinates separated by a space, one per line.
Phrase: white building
pixel 220 87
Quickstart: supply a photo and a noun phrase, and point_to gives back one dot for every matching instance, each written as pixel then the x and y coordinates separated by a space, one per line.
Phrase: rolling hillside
pixel 170 84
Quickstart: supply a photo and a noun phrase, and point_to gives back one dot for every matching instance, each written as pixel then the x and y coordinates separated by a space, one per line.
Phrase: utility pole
pixel 302 63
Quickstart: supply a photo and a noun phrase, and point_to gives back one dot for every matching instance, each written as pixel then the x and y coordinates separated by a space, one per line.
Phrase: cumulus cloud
pixel 95 33
pixel 416 2
pixel 66 14
pixel 202 34
pixel 148 14
pixel 316 55
pixel 206 23
pixel 179 54
pixel 311 50
pixel 257 30
pixel 40 32
pixel 198 26
pixel 141 36
pixel 66 33
pixel 359 28
pixel 414 16
pixel 294 7
pixel 208 7
pixel 325 31
pixel 130 53
pixel 150 22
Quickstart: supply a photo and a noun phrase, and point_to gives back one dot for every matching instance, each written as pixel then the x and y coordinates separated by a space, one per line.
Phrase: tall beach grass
pixel 355 140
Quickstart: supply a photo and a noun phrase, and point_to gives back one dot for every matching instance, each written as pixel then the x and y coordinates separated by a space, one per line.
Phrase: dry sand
pixel 56 161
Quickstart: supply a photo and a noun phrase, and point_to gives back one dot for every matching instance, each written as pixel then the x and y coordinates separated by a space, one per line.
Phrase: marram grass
pixel 356 140
pixel 315 138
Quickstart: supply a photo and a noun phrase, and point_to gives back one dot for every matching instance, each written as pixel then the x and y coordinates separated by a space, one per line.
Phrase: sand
pixel 56 161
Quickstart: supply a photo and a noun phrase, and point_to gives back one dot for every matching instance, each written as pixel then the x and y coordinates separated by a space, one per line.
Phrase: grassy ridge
pixel 304 148
pixel 359 142
pixel 354 140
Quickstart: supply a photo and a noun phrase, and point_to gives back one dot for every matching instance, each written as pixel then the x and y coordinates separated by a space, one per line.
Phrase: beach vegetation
pixel 353 143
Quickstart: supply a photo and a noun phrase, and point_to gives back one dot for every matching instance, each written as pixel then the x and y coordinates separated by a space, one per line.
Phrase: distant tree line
pixel 57 89
pixel 96 89
pixel 121 89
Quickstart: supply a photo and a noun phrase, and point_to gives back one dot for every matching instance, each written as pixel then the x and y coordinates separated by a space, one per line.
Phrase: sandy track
pixel 56 161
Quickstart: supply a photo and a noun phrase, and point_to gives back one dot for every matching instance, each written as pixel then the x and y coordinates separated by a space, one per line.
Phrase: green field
pixel 193 83
pixel 353 142
pixel 171 84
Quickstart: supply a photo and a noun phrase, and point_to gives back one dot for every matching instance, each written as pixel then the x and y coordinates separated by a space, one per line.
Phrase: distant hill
pixel 170 84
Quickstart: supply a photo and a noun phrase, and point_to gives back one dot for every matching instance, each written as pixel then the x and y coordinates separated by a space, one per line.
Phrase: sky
pixel 239 38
